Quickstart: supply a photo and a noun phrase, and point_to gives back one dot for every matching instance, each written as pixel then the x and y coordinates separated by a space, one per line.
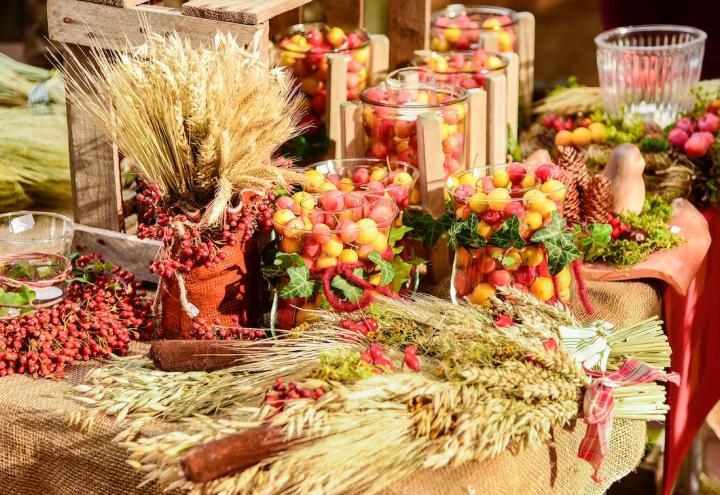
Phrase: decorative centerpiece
pixel 200 126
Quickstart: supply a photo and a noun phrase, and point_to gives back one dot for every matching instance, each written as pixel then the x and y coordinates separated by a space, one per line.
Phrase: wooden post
pixel 351 132
pixel 476 129
pixel 430 158
pixel 336 95
pixel 526 54
pixel 345 13
pixel 496 86
pixel 513 87
pixel 379 58
pixel 408 23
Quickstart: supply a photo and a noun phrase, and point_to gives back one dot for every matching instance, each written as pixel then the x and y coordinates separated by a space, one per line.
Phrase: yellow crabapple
pixel 333 247
pixel 478 202
pixel 379 174
pixel 481 294
pixel 542 288
pixel 288 245
pixel 531 255
pixel 528 181
pixel 282 217
pixel 564 278
pixel 325 261
pixel 484 229
pixel 533 220
pixel 500 178
pixel 452 34
pixel 403 179
pixel 498 199
pixel 348 256
pixel 554 189
pixel 327 186
pixel 336 37
pixel 367 231
pixel 346 184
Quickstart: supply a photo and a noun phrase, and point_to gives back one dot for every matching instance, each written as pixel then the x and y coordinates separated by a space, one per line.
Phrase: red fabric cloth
pixel 693 329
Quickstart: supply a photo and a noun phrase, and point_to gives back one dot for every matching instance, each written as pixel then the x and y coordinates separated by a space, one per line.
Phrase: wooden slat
pixel 496 87
pixel 526 53
pixel 128 251
pixel 88 24
pixel 489 41
pixel 430 158
pixel 379 57
pixel 336 95
pixel 345 13
pixel 351 132
pixel 118 3
pixel 94 168
pixel 240 11
pixel 476 132
pixel 283 21
pixel 408 29
pixel 513 88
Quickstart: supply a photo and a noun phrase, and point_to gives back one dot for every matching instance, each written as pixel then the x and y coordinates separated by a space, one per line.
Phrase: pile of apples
pixel 696 137
pixel 304 51
pixel 390 123
pixel 579 133
pixel 394 180
pixel 464 69
pixel 461 30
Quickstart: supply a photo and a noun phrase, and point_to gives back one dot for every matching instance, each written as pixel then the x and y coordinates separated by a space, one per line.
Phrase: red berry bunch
pixel 376 356
pixel 618 227
pixel 281 393
pixel 102 311
pixel 202 330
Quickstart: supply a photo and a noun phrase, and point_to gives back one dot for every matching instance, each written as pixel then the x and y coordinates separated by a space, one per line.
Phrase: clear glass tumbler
pixel 649 70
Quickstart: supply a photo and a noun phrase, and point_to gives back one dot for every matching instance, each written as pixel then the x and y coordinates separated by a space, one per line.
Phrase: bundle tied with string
pixel 201 126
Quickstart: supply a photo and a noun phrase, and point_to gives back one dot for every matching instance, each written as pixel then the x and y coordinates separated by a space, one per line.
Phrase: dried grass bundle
pixel 200 123
pixel 21 84
pixel 568 101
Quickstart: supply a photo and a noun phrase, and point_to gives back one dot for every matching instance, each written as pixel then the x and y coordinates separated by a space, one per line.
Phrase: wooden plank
pixel 240 11
pixel 88 24
pixel 336 95
pixel 513 88
pixel 283 21
pixel 526 53
pixel 408 29
pixel 345 13
pixel 489 41
pixel 497 133
pixel 118 3
pixel 430 158
pixel 476 129
pixel 379 57
pixel 351 132
pixel 94 168
pixel 676 266
pixel 128 251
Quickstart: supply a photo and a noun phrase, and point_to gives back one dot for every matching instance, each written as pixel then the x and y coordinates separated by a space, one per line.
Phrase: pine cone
pixel 572 161
pixel 572 208
pixel 597 200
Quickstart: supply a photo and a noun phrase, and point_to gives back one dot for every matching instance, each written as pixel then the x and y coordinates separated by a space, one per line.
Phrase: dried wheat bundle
pixel 200 123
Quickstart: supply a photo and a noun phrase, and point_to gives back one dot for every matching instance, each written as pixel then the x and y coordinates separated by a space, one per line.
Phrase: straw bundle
pixel 21 84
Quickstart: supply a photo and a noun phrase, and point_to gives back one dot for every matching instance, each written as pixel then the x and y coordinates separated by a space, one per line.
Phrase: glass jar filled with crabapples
pixel 390 178
pixel 391 111
pixel 467 69
pixel 505 206
pixel 461 28
pixel 304 50
pixel 333 244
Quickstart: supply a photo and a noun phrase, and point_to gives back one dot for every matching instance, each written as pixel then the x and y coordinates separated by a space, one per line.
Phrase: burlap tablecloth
pixel 40 454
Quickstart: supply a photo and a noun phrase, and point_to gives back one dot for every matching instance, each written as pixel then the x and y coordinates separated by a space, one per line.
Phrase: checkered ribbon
pixel 599 401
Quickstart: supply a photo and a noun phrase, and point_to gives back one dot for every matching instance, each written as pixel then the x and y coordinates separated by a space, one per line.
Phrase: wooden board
pixel 89 24
pixel 512 94
pixel 128 251
pixel 497 133
pixel 118 3
pixel 240 11
pixel 336 96
pixel 476 135
pixel 379 58
pixel 351 132
pixel 407 28
pixel 345 13
pixel 526 53
pixel 676 266
pixel 432 173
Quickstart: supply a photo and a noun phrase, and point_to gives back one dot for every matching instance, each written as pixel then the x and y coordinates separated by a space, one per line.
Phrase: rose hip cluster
pixel 466 69
pixel 461 29
pixel 696 137
pixel 94 319
pixel 396 182
pixel 390 123
pixel 304 51
pixel 493 194
pixel 280 394
pixel 214 330
pixel 187 247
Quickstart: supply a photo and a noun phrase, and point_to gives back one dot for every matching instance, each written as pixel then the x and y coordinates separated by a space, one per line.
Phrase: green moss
pixel 342 366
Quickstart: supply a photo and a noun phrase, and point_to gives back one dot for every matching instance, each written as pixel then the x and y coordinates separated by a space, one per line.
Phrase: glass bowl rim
pixel 601 39
pixel 66 221
pixel 484 70
pixel 478 9
pixel 303 26
pixel 460 173
pixel 357 162
pixel 447 88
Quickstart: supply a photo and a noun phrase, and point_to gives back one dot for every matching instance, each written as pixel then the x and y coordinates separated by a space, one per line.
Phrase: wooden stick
pixel 526 54
pixel 430 157
pixel 200 355
pixel 336 95
pixel 513 88
pixel 232 454
pixel 351 133
pixel 476 129
pixel 496 87
pixel 379 58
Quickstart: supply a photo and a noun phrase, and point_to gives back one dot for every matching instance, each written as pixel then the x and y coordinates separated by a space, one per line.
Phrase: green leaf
pixel 465 233
pixel 426 229
pixel 28 295
pixel 387 273
pixel 402 273
pixel 349 291
pixel 300 284
pixel 560 246
pixel 508 235
pixel 551 230
pixel 281 263
pixel 397 233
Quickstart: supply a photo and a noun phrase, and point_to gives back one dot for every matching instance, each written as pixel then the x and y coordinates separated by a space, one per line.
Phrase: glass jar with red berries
pixel 333 249
pixel 304 50
pixel 461 28
pixel 498 212
pixel 467 69
pixel 390 113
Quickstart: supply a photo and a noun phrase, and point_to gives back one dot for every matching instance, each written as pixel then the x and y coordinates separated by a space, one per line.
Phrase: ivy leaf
pixel 300 284
pixel 281 263
pixel 508 235
pixel 551 230
pixel 426 229
pixel 349 291
pixel 465 233
pixel 600 233
pixel 559 244
pixel 397 233
pixel 24 296
pixel 387 273
pixel 402 273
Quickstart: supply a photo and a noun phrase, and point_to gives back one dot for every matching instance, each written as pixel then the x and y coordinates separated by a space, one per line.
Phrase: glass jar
pixel 303 49
pixel 390 112
pixel 493 194
pixel 466 69
pixel 460 28
pixel 327 231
